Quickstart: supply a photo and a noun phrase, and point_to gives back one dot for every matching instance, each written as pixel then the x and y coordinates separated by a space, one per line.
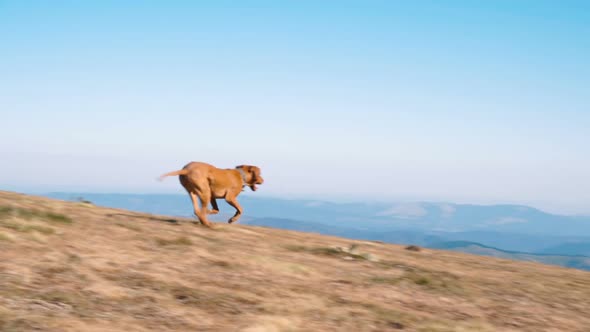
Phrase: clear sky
pixel 461 101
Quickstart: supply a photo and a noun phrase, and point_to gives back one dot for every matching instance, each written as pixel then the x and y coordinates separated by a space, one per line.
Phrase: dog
pixel 207 183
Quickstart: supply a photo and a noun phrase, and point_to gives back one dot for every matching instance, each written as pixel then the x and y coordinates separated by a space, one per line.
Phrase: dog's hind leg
pixel 198 211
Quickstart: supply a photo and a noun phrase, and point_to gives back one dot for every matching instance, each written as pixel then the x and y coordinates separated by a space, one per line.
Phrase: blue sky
pixel 463 101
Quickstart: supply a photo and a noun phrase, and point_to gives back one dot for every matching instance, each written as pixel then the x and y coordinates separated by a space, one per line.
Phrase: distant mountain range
pixel 518 230
pixel 573 261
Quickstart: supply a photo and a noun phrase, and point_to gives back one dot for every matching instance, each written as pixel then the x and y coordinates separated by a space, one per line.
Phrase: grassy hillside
pixel 68 266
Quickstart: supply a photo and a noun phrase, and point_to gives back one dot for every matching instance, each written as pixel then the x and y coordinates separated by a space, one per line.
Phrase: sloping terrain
pixel 67 266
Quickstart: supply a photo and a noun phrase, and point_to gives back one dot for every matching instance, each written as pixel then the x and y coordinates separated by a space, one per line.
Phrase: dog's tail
pixel 179 172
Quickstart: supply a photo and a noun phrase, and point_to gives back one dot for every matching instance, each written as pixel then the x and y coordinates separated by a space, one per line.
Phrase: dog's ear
pixel 255 173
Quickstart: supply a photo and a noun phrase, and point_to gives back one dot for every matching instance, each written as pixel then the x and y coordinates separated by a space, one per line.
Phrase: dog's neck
pixel 243 174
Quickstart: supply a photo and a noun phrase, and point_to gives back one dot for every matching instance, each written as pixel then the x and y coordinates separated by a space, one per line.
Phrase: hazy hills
pixel 574 261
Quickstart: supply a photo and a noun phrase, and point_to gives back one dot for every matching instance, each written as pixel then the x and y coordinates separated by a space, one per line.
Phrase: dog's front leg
pixel 234 202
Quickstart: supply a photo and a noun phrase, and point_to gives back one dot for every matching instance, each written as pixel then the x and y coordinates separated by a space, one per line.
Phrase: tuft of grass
pixel 4 238
pixel 73 258
pixel 27 228
pixel 429 280
pixel 58 296
pixel 392 319
pixel 295 248
pixel 13 323
pixel 135 280
pixel 385 280
pixel 215 302
pixel 31 214
pixel 333 252
pixel 232 302
pixel 84 201
pixel 39 229
pixel 56 217
pixel 421 280
pixel 4 210
pixel 51 271
pixel 386 317
pixel 434 280
pixel 56 274
pixel 326 251
pixel 179 241
pixel 413 248
pixel 129 226
pixel 323 251
pixel 222 263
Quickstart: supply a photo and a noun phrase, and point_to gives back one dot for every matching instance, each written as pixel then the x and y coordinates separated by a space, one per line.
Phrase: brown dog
pixel 208 183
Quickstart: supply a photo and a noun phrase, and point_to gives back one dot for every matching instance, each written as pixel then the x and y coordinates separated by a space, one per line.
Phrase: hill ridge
pixel 454 244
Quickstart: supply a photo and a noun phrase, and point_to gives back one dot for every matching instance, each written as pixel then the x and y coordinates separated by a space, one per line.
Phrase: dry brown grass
pixel 178 241
pixel 74 267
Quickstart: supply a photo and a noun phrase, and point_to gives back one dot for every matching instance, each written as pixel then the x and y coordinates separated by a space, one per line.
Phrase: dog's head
pixel 252 176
